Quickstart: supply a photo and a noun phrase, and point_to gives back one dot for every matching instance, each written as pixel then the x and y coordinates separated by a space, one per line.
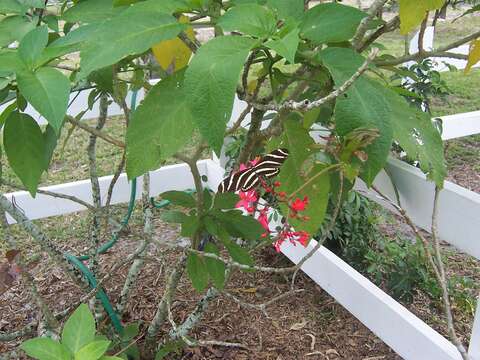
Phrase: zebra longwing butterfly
pixel 244 180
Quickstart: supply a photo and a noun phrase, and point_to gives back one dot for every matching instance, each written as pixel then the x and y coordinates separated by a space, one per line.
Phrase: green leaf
pixel 10 62
pixel 48 91
pixel 174 216
pixel 79 330
pixel 417 135
pixel 180 198
pixel 250 19
pixel 133 31
pixel 25 147
pixel 50 140
pixel 364 106
pixel 32 45
pixel 331 22
pixel 169 347
pixel 238 254
pixel 216 268
pixel 67 44
pixel 152 135
pixel 292 176
pixel 288 9
pixel 6 113
pixel 412 12
pixel 211 82
pixel 14 28
pixel 240 225
pixel 91 11
pixel 93 350
pixel 286 46
pixel 226 200
pixel 110 358
pixel 197 272
pixel 190 226
pixel 130 331
pixel 43 348
pixel 11 7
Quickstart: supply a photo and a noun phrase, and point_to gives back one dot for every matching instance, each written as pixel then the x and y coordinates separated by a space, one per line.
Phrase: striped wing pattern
pixel 268 166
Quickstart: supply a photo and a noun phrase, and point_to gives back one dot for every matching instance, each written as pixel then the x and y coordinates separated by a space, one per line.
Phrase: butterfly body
pixel 268 167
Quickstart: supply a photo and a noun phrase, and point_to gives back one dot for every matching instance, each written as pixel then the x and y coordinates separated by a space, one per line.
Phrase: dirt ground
pixel 309 325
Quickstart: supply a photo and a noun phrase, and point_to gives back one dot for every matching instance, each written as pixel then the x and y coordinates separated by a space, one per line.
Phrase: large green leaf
pixel 211 81
pixel 10 62
pixel 67 44
pixel 133 31
pixel 79 330
pixel 91 11
pixel 331 22
pixel 216 268
pixel 417 135
pixel 364 106
pixel 239 225
pixel 412 12
pixel 11 7
pixel 14 28
pixel 180 198
pixel 250 19
pixel 160 126
pixel 292 176
pixel 197 272
pixel 25 148
pixel 286 46
pixel 48 91
pixel 32 45
pixel 43 348
pixel 288 9
pixel 93 350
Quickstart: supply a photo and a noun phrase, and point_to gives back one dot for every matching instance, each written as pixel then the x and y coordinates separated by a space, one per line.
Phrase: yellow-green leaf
pixel 173 54
pixel 412 12
pixel 474 55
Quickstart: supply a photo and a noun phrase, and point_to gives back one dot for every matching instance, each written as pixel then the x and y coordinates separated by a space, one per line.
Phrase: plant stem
pixel 169 292
pixel 138 263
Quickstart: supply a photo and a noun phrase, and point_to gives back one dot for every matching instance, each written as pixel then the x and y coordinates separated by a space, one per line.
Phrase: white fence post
pixel 474 348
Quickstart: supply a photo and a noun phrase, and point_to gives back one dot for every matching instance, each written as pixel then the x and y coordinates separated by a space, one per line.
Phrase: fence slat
pixel 173 177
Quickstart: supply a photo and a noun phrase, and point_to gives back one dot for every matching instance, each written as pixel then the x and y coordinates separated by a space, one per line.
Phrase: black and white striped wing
pixel 268 167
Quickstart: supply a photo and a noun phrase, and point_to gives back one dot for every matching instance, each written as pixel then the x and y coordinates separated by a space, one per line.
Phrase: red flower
pixel 303 237
pixel 277 183
pixel 299 205
pixel 246 200
pixel 293 236
pixel 250 164
pixel 263 219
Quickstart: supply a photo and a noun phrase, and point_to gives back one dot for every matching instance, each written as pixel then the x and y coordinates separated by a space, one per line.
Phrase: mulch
pixel 308 325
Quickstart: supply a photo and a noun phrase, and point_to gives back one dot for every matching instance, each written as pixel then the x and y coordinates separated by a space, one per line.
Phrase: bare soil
pixel 309 325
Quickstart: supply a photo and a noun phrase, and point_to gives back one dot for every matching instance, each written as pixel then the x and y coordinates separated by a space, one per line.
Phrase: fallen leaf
pixel 299 326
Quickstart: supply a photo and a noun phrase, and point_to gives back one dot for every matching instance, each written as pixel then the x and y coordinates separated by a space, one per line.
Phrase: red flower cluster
pixel 293 236
pixel 249 200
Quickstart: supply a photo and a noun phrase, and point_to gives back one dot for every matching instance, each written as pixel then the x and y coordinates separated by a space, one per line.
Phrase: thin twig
pixel 364 24
pixel 443 280
pixel 52 194
pixel 95 132
pixel 440 52
pixel 262 307
pixel 307 105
